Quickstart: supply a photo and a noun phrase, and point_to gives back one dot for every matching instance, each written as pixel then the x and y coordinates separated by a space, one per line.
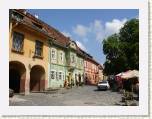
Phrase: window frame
pixel 62 75
pixel 72 58
pixel 55 54
pixel 61 59
pixel 40 47
pixel 13 41
pixel 54 74
pixel 59 75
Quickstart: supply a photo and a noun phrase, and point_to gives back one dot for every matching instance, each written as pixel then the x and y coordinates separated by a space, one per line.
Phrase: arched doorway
pixel 37 78
pixel 17 76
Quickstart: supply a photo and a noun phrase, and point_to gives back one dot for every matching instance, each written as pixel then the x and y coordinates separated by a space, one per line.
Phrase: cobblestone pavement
pixel 81 96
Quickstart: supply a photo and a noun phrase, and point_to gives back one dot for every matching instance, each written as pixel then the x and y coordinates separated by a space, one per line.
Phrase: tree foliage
pixel 122 49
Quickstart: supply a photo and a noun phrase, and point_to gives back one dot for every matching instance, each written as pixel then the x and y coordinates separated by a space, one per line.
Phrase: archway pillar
pixel 45 81
pixel 22 82
pixel 27 82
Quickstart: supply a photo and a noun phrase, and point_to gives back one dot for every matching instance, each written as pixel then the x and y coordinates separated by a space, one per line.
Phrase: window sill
pixel 37 56
pixel 16 51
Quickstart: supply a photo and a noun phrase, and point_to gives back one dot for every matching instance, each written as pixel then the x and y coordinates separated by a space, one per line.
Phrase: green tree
pixel 122 49
pixel 129 36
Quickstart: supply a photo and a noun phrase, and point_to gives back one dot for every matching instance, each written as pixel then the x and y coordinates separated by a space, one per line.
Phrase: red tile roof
pixel 52 32
pixel 58 37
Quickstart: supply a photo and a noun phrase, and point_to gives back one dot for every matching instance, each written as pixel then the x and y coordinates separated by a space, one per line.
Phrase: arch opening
pixel 37 78
pixel 17 76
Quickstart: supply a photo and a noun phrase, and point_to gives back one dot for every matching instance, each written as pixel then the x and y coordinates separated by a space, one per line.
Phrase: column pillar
pixel 27 82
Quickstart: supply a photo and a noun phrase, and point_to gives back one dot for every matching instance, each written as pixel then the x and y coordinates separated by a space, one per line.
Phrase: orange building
pixel 28 53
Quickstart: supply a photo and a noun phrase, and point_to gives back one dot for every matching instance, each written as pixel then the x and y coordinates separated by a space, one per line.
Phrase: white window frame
pixel 61 54
pixel 81 62
pixel 72 58
pixel 55 54
pixel 59 75
pixel 62 75
pixel 54 75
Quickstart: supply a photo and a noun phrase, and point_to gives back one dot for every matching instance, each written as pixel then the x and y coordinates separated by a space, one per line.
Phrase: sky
pixel 87 27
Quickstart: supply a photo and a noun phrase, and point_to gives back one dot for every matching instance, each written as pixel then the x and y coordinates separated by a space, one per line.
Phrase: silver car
pixel 103 85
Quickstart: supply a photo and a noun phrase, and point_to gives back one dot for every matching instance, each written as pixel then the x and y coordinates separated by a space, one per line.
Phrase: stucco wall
pixel 28 51
pixel 57 65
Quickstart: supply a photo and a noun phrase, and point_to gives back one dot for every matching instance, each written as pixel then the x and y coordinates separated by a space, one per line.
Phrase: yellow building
pixel 28 53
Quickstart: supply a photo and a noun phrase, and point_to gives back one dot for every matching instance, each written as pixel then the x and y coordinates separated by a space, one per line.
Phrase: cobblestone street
pixel 81 96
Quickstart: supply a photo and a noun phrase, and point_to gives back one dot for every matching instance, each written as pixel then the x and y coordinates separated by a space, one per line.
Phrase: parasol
pixel 130 74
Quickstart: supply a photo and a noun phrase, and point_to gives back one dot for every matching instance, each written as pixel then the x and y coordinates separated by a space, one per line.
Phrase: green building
pixel 75 62
pixel 66 60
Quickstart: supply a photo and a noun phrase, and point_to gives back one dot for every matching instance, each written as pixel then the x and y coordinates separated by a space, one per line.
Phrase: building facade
pixel 75 63
pixel 101 76
pixel 57 65
pixel 41 57
pixel 28 54
pixel 91 71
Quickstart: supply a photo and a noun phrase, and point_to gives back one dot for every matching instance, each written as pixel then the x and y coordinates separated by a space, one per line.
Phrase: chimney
pixel 25 12
pixel 36 16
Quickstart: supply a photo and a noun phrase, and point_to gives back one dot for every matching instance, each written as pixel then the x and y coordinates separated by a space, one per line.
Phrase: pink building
pixel 91 70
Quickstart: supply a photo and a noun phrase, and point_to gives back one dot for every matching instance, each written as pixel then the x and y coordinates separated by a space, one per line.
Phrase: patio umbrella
pixel 130 74
pixel 120 74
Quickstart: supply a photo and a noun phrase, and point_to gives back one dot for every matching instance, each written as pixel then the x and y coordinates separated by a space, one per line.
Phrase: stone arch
pixel 37 78
pixel 17 76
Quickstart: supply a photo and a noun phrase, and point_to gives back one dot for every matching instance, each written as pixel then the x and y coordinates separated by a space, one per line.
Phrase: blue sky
pixel 87 27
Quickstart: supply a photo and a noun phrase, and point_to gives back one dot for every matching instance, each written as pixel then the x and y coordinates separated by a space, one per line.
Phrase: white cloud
pixel 67 34
pixel 81 45
pixel 114 26
pixel 99 30
pixel 80 30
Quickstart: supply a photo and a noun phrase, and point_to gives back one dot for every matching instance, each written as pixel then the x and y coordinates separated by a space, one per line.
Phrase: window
pixel 53 74
pixel 72 58
pixel 61 56
pixel 63 76
pixel 18 39
pixel 60 76
pixel 53 54
pixel 81 62
pixel 38 48
pixel 57 76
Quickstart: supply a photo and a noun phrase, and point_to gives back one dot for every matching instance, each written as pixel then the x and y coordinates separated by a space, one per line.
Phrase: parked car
pixel 103 85
pixel 11 93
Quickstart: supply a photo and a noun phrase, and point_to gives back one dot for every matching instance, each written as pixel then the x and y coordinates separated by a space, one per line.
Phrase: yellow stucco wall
pixel 29 48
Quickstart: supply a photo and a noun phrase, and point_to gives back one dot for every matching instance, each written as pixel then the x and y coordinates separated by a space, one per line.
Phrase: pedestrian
pixel 82 79
pixel 67 81
pixel 79 79
pixel 86 80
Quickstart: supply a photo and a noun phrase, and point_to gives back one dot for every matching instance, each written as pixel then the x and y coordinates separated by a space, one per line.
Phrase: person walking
pixel 79 80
